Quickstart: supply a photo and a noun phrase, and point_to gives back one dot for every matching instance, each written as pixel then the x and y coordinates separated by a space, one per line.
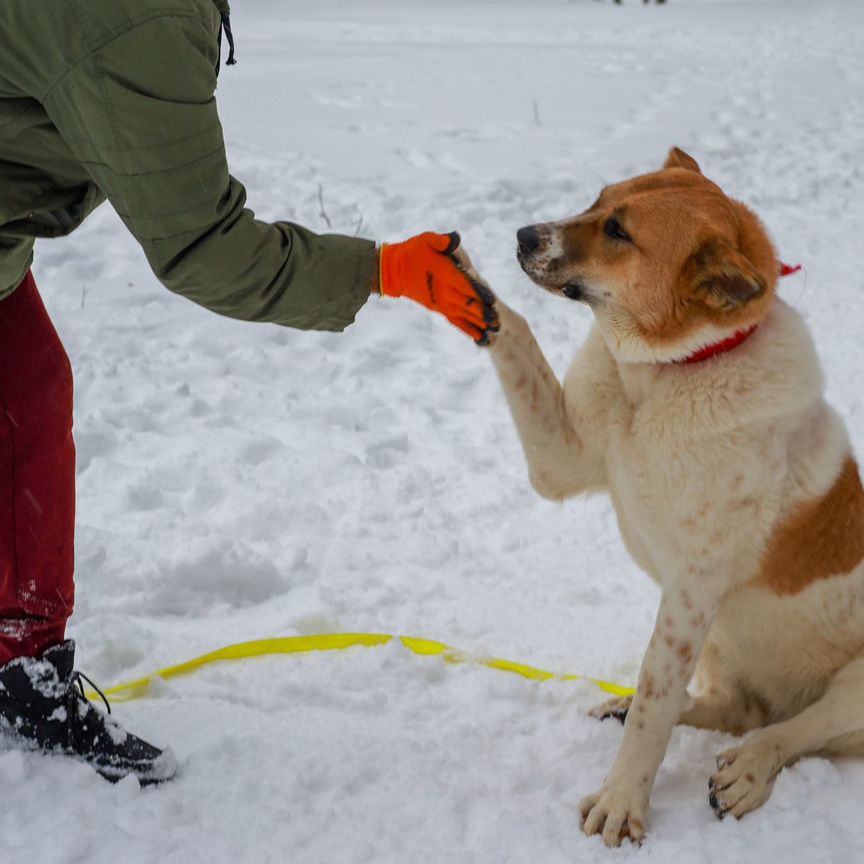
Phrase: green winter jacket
pixel 114 99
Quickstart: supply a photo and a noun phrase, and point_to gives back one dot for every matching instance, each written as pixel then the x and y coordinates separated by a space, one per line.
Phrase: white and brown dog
pixel 696 402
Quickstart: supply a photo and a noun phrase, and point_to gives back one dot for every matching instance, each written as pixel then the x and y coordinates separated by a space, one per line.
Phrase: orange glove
pixel 427 270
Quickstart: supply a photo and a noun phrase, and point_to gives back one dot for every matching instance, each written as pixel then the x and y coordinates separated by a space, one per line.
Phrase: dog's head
pixel 666 261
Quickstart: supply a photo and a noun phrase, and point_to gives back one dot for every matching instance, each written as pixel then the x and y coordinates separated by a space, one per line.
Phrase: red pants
pixel 37 478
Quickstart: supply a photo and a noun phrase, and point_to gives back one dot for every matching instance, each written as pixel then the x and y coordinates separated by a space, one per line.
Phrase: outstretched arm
pixel 144 124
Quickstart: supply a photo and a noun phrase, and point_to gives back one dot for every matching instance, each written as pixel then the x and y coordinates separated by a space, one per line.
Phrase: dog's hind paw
pixel 744 779
pixel 616 707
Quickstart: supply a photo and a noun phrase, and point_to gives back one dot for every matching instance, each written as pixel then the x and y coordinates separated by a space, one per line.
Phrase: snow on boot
pixel 43 707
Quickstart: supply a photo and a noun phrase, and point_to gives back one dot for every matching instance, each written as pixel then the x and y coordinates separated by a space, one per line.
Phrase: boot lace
pixel 77 680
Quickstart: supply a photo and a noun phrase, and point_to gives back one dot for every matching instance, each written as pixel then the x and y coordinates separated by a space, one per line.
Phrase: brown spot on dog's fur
pixel 819 539
pixel 685 651
pixel 686 599
pixel 648 686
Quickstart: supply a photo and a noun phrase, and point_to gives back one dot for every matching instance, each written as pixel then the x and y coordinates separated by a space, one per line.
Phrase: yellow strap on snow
pixel 338 642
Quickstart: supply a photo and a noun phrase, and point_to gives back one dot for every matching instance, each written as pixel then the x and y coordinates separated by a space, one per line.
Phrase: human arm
pixel 139 112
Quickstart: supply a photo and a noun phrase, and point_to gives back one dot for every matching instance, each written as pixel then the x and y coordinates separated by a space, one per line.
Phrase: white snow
pixel 245 481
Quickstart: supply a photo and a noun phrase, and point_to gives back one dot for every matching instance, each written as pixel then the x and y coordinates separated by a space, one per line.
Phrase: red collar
pixel 719 347
pixel 739 336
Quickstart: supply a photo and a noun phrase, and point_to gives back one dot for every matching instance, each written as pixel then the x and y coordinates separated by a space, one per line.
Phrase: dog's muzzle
pixel 539 255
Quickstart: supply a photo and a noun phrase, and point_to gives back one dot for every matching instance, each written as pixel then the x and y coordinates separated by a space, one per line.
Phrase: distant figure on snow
pixel 114 99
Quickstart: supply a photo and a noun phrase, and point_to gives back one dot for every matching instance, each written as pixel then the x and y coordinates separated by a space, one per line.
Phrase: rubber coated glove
pixel 431 270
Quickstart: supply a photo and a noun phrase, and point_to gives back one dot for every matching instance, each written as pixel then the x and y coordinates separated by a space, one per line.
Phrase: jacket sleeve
pixel 16 255
pixel 140 113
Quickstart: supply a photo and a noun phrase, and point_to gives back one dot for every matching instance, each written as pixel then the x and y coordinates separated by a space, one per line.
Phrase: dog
pixel 696 402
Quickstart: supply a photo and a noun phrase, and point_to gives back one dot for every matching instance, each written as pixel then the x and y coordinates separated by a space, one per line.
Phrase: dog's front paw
pixel 617 811
pixel 484 295
pixel 616 707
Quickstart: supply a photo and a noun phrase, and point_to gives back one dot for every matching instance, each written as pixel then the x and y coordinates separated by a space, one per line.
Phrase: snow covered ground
pixel 241 481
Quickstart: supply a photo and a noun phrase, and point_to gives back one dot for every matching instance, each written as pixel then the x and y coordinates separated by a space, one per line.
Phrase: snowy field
pixel 241 481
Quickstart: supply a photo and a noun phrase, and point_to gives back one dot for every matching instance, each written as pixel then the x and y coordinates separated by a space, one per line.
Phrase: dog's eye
pixel 612 228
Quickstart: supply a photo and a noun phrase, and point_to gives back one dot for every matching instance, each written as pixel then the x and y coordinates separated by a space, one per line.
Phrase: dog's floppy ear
pixel 679 159
pixel 719 276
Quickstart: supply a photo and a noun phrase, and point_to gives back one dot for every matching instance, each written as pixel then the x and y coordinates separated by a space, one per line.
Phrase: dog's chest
pixel 657 493
pixel 679 497
pixel 692 483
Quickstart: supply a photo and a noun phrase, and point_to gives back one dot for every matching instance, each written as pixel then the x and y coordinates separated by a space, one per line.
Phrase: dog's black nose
pixel 528 240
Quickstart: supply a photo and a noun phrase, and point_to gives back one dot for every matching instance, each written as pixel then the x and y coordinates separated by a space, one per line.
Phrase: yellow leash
pixel 338 642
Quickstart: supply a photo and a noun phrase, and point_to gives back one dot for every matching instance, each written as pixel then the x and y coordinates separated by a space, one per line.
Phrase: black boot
pixel 43 707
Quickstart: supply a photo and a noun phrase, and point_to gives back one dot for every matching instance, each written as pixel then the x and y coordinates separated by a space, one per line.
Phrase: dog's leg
pixel 560 463
pixel 721 704
pixel 845 745
pixel 727 711
pixel 720 711
pixel 833 725
pixel 619 809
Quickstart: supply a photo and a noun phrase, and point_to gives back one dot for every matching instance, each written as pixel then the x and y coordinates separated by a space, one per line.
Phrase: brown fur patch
pixel 694 257
pixel 820 539
pixel 648 686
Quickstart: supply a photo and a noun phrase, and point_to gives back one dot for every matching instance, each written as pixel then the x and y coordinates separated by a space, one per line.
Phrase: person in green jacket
pixel 114 99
